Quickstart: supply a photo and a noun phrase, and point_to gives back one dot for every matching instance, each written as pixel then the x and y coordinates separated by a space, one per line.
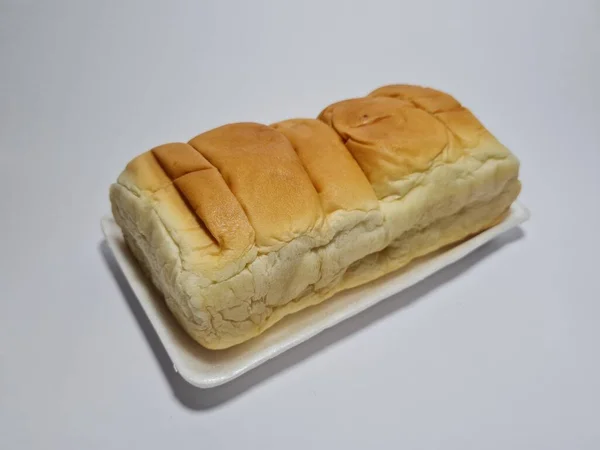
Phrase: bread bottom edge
pixel 414 244
pixel 470 221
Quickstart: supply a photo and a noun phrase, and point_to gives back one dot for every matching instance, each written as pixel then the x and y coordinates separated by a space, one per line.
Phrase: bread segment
pixel 266 176
pixel 248 223
pixel 389 138
pixel 337 177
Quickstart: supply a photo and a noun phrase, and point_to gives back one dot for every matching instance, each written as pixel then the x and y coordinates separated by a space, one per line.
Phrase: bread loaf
pixel 247 223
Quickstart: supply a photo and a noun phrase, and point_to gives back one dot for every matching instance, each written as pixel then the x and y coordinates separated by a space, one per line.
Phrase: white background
pixel 500 351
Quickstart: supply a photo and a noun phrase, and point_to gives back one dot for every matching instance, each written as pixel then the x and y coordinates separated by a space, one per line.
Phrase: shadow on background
pixel 200 399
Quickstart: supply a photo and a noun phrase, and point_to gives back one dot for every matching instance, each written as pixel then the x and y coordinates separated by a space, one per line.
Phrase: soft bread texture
pixel 248 223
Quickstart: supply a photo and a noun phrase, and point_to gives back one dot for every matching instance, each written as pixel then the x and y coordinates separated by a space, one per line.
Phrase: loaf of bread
pixel 247 223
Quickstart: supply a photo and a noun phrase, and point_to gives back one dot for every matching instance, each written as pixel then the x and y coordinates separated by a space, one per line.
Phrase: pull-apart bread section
pixel 248 223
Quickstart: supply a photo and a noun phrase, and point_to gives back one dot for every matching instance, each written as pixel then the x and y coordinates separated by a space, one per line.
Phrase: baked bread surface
pixel 247 223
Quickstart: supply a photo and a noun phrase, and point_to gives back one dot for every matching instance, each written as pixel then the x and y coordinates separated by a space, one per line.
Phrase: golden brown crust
pixel 178 159
pixel 265 175
pixel 144 173
pixel 430 100
pixel 389 138
pixel 465 129
pixel 326 114
pixel 332 169
pixel 208 196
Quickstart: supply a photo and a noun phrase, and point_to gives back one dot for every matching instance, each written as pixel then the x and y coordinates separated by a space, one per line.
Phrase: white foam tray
pixel 206 368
